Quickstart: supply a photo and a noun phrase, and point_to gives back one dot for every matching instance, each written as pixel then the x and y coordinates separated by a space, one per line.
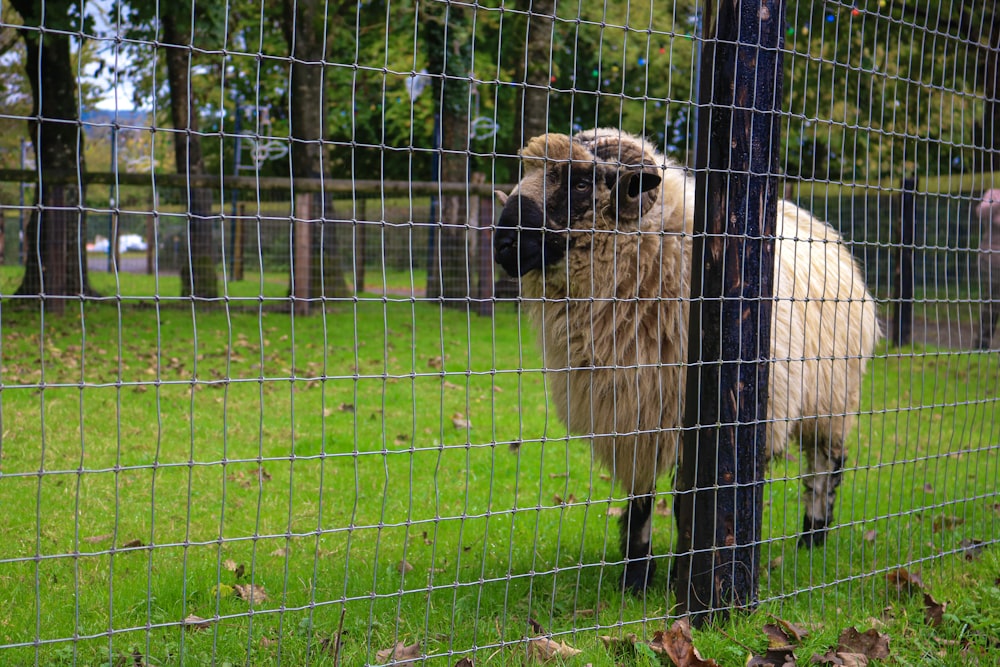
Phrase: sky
pixel 117 93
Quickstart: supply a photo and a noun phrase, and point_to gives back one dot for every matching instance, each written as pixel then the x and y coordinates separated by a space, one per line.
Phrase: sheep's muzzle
pixel 521 243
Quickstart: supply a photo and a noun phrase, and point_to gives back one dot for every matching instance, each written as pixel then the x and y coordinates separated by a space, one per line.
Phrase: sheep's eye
pixel 582 185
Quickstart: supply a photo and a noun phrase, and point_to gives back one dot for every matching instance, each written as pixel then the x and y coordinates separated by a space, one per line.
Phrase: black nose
pixel 517 243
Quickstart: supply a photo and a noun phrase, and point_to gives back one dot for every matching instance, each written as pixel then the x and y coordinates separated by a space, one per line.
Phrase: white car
pixel 126 243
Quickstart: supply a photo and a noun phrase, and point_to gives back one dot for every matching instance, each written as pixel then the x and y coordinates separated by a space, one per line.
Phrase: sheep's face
pixel 567 188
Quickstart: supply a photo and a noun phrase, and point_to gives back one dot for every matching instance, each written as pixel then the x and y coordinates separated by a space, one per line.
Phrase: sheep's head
pixel 593 181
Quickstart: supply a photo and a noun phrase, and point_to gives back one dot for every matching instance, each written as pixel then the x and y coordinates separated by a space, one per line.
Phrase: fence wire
pixel 268 397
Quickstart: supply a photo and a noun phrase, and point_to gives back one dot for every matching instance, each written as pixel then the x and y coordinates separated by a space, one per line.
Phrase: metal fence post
pixel 721 476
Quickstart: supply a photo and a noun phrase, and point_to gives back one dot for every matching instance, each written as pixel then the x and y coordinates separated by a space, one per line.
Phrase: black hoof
pixel 638 576
pixel 813 533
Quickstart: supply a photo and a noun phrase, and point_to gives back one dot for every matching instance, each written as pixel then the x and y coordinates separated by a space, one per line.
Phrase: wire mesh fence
pixel 266 397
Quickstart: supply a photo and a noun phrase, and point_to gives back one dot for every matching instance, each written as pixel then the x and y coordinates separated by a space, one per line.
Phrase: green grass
pixel 143 448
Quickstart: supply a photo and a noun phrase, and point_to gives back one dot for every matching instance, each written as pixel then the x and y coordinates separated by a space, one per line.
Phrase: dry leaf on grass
pixel 404 567
pixel 973 548
pixel 933 610
pixel 559 500
pixel 460 420
pixel 346 407
pixel 870 535
pixel 331 646
pixel 943 522
pixel 450 385
pixel 775 563
pixel 676 644
pixel 465 662
pixel 399 652
pixel 905 581
pixel 616 511
pixel 252 593
pixel 856 649
pixel 780 645
pixel 544 649
pixel 132 544
pixel 434 362
pixel 266 642
pixel 94 539
pixel 535 626
pixel 794 632
pixel 197 622
pixel 280 552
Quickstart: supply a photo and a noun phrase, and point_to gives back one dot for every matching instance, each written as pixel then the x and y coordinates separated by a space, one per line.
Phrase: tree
pixel 306 32
pixel 198 275
pixel 55 265
pixel 170 26
pixel 446 33
pixel 538 54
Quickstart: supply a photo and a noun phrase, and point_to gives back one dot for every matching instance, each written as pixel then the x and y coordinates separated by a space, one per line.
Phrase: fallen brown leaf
pixel 197 622
pixel 784 657
pixel 905 581
pixel 559 500
pixel 933 610
pixel 607 478
pixel 427 540
pixel 555 475
pixel 434 362
pixel 544 649
pixel 252 593
pixel 346 407
pixel 229 564
pixel 94 539
pixel 870 535
pixel 776 636
pixel 676 644
pixel 450 385
pixel 465 662
pixel 662 508
pixel 928 488
pixel 280 552
pixel 616 511
pixel 872 644
pixel 943 522
pixel 460 421
pixel 775 562
pixel 535 626
pixel 267 641
pixel 796 632
pixel 973 548
pixel 132 544
pixel 404 567
pixel 399 652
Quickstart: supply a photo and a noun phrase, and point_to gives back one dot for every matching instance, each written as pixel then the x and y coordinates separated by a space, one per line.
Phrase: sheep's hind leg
pixel 636 528
pixel 825 463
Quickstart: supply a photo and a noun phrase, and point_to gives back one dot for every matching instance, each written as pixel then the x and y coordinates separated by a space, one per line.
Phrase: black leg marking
pixel 635 530
pixel 820 494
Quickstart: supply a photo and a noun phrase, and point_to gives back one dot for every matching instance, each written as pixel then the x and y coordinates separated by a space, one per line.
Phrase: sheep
pixel 598 231
pixel 989 267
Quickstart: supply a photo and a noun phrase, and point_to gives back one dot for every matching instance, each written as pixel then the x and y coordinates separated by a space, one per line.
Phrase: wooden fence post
pixel 721 476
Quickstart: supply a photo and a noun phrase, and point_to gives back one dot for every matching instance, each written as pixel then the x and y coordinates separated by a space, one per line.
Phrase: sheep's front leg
pixel 635 528
pixel 825 463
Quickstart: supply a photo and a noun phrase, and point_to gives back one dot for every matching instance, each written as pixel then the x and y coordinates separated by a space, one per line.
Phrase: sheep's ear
pixel 636 192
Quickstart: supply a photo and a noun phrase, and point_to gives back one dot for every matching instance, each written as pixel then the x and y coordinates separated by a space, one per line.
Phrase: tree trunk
pixel 533 109
pixel 199 277
pixel 449 54
pixel 304 21
pixel 55 265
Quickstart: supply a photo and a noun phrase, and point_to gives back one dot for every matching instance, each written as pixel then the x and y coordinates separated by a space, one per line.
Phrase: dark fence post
pixel 721 477
pixel 902 284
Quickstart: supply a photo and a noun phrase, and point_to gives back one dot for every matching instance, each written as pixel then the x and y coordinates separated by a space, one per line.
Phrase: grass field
pixel 350 470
